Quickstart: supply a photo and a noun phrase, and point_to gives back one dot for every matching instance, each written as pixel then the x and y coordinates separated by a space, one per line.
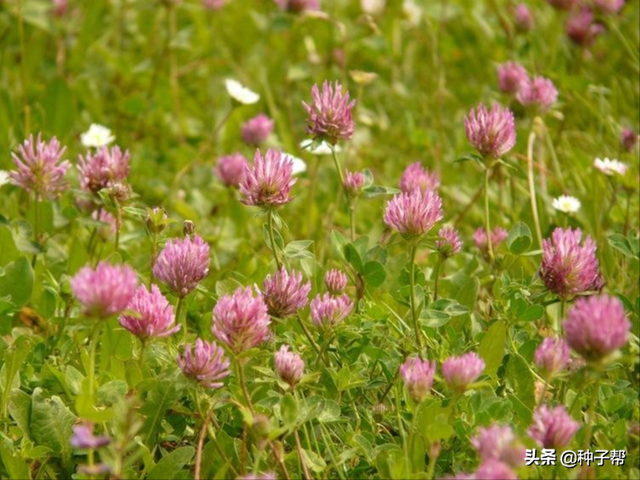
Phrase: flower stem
pixel 308 335
pixel 432 464
pixel 352 217
pixel 92 375
pixel 143 347
pixel 563 309
pixel 532 187
pixel 154 253
pixel 272 239
pixel 436 278
pixel 92 359
pixel 243 384
pixel 118 226
pixel 591 413
pixel 323 350
pixel 412 296
pixel 487 220
pixel 36 218
pixel 179 317
pixel 203 432
pixel 338 167
pixel 305 469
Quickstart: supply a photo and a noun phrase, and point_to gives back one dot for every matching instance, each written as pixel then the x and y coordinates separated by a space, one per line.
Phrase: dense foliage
pixel 318 240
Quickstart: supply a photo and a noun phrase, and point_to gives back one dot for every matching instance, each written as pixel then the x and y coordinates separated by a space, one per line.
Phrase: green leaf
pixel 519 239
pixel 8 249
pixel 298 249
pixel 433 421
pixel 373 191
pixel 277 237
pixel 289 410
pixel 352 256
pixel 469 157
pixel 314 461
pixel 464 286
pixel 20 410
pixel 374 274
pixel 520 379
pixel 534 312
pixel 160 398
pixel 330 412
pixel 51 423
pixel 14 357
pixel 491 347
pixel 170 465
pixel 627 246
pixel 434 318
pixel 16 280
pixel 15 466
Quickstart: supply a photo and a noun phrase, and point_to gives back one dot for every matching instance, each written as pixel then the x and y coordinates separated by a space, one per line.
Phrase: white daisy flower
pixel 240 93
pixel 566 204
pixel 97 136
pixel 322 148
pixel 299 165
pixel 609 167
pixel 4 177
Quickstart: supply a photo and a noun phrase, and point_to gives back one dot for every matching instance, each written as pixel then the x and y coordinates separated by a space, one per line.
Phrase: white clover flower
pixel 566 204
pixel 412 11
pixel 372 7
pixel 299 165
pixel 4 177
pixel 240 93
pixel 322 148
pixel 97 136
pixel 609 167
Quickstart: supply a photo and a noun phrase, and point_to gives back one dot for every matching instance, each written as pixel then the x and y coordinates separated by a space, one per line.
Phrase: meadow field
pixel 319 239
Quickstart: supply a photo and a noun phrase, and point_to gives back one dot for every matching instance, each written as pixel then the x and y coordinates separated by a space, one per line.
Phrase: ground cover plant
pixel 303 239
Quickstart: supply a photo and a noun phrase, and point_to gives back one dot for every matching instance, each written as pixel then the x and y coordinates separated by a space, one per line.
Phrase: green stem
pixel 118 226
pixel 532 187
pixel 179 317
pixel 625 231
pixel 154 253
pixel 432 465
pixel 563 307
pixel 487 219
pixel 220 124
pixel 36 218
pixel 256 462
pixel 92 358
pixel 92 375
pixel 143 347
pixel 243 384
pixel 436 278
pixel 23 69
pixel 554 158
pixel 308 335
pixel 352 217
pixel 272 239
pixel 328 442
pixel 305 469
pixel 412 296
pixel 323 351
pixel 593 401
pixel 338 167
